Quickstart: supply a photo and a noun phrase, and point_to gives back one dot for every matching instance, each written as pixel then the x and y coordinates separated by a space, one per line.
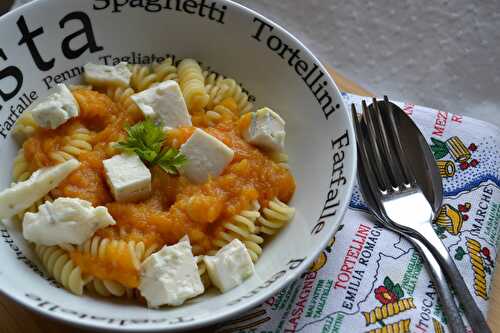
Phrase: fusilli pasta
pixel 80 87
pixel 202 270
pixel 121 96
pixel 219 88
pixel 103 248
pixel 274 217
pixel 109 288
pixel 76 143
pixel 25 127
pixel 279 157
pixel 142 78
pixel 242 226
pixel 20 172
pixel 59 265
pixel 165 70
pixel 192 84
pixel 218 114
pixel 20 168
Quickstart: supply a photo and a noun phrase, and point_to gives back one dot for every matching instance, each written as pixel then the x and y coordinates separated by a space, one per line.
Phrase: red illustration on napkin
pixel 389 292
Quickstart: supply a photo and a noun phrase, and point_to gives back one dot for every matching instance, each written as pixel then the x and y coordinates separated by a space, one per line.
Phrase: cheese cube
pixel 170 276
pixel 266 130
pixel 165 103
pixel 66 220
pixel 206 156
pixel 24 194
pixel 230 266
pixel 102 75
pixel 128 178
pixel 55 109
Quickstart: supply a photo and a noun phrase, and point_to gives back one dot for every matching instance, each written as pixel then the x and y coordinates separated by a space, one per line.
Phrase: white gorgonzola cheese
pixel 230 266
pixel 66 220
pixel 55 109
pixel 128 177
pixel 170 276
pixel 206 156
pixel 164 102
pixel 266 130
pixel 24 194
pixel 102 75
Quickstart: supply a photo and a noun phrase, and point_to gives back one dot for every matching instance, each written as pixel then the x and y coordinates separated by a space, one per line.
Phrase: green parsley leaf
pixel 146 139
pixel 171 160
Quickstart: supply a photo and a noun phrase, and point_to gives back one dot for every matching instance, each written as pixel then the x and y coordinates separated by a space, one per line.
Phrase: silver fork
pixel 401 201
pixel 454 319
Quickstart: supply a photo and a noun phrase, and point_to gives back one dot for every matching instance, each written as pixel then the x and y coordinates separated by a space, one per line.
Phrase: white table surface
pixel 439 53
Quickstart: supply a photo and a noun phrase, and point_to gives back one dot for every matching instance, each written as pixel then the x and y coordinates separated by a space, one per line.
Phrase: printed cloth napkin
pixel 370 279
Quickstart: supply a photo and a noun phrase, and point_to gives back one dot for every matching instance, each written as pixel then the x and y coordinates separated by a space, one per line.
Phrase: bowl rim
pixel 264 294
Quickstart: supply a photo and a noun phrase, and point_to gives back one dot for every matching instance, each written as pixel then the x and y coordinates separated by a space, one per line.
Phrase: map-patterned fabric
pixel 369 279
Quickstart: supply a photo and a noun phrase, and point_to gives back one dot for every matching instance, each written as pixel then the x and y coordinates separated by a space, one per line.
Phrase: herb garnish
pixel 146 139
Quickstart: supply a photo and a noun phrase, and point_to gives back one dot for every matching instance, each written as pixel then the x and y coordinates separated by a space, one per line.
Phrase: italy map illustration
pixel 370 279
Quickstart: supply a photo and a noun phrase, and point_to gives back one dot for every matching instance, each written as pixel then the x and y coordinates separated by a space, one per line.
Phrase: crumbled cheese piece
pixel 267 130
pixel 66 220
pixel 24 194
pixel 206 156
pixel 128 177
pixel 165 103
pixel 55 109
pixel 230 266
pixel 170 276
pixel 102 75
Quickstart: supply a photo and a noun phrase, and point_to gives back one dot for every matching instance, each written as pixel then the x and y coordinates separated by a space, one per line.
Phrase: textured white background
pixel 439 53
pixel 442 54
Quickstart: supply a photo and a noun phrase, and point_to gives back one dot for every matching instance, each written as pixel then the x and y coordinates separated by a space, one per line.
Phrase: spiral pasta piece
pixel 101 247
pixel 20 167
pixel 216 93
pixel 142 78
pixel 243 227
pixel 218 114
pixel 108 288
pixel 236 92
pixel 212 78
pixel 279 157
pixel 121 96
pixel 219 88
pixel 24 127
pixel 59 265
pixel 75 144
pixel 202 271
pixel 274 217
pixel 73 87
pixel 192 84
pixel 166 70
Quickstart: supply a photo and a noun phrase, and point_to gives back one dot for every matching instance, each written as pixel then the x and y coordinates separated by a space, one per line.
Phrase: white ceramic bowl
pixel 47 41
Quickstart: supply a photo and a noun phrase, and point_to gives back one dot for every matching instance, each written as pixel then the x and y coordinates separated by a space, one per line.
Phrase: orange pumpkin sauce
pixel 176 207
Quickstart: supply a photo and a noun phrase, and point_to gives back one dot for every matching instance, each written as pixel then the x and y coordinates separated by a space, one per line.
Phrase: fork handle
pixel 453 317
pixel 473 313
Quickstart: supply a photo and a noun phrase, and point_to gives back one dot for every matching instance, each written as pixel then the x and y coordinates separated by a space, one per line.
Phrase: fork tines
pixel 379 143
